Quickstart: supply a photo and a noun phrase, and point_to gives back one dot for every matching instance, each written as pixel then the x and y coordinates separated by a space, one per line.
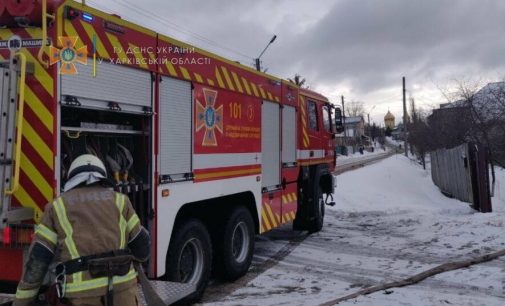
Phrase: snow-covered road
pixel 355 162
pixel 390 222
pixel 352 158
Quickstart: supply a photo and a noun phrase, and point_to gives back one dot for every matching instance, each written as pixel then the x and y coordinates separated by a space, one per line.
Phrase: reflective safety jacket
pixel 81 222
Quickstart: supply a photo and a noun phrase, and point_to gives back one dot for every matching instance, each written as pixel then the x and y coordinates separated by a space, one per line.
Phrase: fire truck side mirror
pixel 339 127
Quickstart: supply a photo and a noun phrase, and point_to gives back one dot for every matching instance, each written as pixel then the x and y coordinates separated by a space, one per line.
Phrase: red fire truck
pixel 209 151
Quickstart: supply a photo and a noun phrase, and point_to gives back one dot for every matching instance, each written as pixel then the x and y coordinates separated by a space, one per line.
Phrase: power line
pixel 100 6
pixel 176 27
pixel 182 29
pixel 422 98
pixel 386 99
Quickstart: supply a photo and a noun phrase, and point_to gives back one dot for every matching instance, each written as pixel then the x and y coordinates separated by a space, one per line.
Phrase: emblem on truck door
pixel 209 117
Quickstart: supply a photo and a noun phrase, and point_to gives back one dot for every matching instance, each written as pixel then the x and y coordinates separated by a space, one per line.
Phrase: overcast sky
pixel 356 48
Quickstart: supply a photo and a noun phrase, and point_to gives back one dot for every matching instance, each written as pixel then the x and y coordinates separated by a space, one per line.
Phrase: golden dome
pixel 389 116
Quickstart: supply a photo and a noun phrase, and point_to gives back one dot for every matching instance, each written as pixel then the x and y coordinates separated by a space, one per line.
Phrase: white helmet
pixel 86 163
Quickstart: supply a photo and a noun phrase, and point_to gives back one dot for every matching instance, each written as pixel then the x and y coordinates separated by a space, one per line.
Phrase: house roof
pixel 488 102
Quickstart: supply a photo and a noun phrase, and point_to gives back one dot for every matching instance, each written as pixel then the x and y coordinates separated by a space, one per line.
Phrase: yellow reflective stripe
pixel 120 201
pixel 26 294
pixel 77 278
pixel 99 282
pixel 134 220
pixel 61 213
pixel 45 232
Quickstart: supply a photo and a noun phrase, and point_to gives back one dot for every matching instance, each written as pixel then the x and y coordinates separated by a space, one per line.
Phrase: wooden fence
pixel 462 173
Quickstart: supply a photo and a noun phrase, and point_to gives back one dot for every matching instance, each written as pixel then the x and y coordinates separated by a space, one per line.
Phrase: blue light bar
pixel 87 17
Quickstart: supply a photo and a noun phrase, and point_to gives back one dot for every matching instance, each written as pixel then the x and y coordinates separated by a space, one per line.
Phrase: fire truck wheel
pixel 189 257
pixel 317 223
pixel 235 245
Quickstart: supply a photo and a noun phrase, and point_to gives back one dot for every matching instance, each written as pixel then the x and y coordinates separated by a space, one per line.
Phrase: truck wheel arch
pixel 311 178
pixel 211 213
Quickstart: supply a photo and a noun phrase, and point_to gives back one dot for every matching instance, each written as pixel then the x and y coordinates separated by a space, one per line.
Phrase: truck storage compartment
pixel 121 140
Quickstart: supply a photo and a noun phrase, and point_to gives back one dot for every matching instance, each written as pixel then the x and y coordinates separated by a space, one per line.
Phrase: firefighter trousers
pixel 127 297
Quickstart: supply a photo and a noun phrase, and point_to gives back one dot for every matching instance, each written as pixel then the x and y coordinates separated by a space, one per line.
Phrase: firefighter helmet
pixel 86 163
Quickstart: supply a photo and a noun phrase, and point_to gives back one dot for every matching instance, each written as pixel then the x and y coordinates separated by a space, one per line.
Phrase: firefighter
pixel 92 234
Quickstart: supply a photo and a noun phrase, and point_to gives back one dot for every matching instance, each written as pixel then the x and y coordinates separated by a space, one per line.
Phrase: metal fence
pixel 462 172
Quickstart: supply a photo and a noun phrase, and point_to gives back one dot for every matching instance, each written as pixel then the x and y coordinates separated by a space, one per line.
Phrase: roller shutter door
pixel 175 127
pixel 288 135
pixel 270 144
pixel 129 87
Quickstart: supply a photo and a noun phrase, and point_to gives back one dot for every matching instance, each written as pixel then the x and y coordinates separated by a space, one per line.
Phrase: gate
pixel 463 173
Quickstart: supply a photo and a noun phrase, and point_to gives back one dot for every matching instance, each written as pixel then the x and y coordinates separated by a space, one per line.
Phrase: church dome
pixel 389 116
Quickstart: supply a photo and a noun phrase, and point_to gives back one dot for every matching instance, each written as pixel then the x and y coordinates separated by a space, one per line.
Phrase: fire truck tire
pixel 316 223
pixel 235 245
pixel 189 257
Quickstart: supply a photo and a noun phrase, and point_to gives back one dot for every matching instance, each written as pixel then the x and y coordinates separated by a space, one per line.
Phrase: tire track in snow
pixel 363 277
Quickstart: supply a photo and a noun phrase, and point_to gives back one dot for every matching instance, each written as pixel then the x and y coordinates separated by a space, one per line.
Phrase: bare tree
pixel 420 134
pixel 487 117
pixel 450 126
pixel 298 80
pixel 355 108
pixel 475 115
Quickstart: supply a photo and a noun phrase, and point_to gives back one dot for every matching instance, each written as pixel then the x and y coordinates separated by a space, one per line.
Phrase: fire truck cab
pixel 210 152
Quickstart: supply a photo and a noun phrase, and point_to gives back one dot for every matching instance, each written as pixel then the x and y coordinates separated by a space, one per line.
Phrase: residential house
pixel 354 127
pixel 483 112
pixel 353 136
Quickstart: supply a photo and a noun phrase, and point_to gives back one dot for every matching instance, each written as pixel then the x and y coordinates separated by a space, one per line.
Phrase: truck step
pixel 5 299
pixel 169 292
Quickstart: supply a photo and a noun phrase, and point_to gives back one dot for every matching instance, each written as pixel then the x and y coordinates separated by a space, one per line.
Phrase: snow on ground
pixel 436 228
pixel 390 222
pixel 396 183
pixel 394 143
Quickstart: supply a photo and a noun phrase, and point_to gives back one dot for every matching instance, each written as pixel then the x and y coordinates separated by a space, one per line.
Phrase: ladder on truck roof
pixel 12 78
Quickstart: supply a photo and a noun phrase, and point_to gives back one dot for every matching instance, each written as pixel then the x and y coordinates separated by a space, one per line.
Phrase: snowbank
pixel 400 183
pixel 395 183
pixel 395 143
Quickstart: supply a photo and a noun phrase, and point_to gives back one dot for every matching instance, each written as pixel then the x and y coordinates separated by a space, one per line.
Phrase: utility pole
pixel 405 119
pixel 369 130
pixel 369 133
pixel 343 112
